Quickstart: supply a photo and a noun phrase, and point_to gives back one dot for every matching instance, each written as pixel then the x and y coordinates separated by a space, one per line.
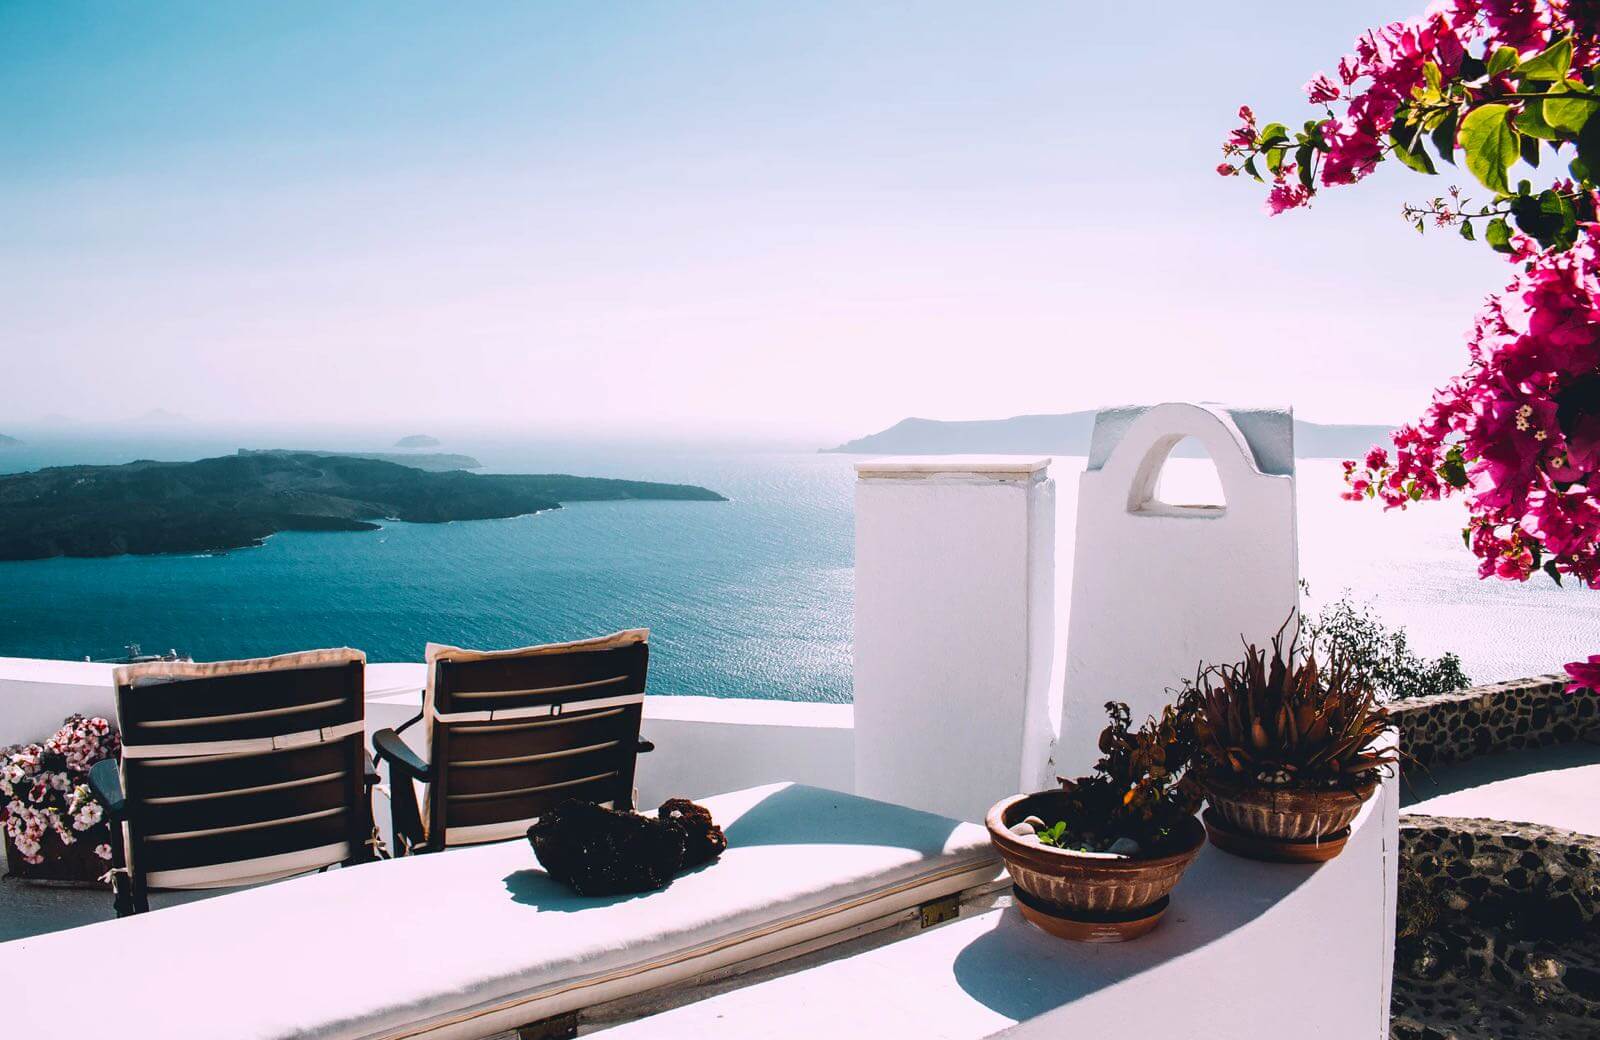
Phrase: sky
pixel 798 220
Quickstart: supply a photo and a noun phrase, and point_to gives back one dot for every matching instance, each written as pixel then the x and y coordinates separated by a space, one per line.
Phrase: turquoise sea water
pixel 752 597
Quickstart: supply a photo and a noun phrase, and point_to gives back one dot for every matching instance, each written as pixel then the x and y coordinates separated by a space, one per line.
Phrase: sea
pixel 746 598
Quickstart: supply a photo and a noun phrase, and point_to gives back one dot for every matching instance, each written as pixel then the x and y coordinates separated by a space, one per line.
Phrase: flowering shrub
pixel 44 787
pixel 1491 84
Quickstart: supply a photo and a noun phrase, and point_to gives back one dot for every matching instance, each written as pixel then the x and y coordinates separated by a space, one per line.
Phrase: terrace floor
pixel 1550 786
pixel 34 908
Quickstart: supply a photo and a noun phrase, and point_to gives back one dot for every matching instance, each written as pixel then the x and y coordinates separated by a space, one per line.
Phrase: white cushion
pixel 470 942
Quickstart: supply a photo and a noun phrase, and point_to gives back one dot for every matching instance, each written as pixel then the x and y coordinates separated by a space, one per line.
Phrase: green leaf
pixel 1275 159
pixel 1466 230
pixel 1303 157
pixel 1589 150
pixel 1411 153
pixel 1498 235
pixel 1503 60
pixel 1250 168
pixel 1490 145
pixel 1453 470
pixel 1430 72
pixel 1568 110
pixel 1529 147
pixel 1444 137
pixel 1551 64
pixel 1548 218
pixel 1550 569
pixel 1271 134
pixel 1580 171
pixel 1530 122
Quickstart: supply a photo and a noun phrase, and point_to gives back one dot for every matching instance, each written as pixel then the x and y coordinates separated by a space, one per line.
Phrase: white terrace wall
pixel 1159 587
pixel 704 745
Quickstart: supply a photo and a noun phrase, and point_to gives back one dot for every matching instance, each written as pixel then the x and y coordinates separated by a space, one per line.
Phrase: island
pixel 417 440
pixel 9 442
pixel 436 461
pixel 1069 434
pixel 236 501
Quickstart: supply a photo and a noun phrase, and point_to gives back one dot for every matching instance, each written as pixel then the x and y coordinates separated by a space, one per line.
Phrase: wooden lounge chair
pixel 237 772
pixel 513 733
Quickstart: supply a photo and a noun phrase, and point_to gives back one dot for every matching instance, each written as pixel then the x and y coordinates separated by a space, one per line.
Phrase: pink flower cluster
pixel 43 787
pixel 1519 431
pixel 1387 67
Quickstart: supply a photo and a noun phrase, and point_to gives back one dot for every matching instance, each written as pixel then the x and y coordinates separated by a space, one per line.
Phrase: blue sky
pixel 794 219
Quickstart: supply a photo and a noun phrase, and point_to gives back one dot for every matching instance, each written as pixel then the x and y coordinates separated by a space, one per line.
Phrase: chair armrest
pixel 644 745
pixel 393 750
pixel 372 777
pixel 105 783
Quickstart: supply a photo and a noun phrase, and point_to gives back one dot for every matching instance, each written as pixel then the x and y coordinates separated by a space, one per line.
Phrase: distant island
pixel 235 501
pixel 417 440
pixel 160 416
pixel 434 462
pixel 1069 433
pixel 9 442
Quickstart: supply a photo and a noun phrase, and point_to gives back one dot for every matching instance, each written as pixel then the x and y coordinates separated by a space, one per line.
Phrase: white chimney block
pixel 954 630
pixel 1157 587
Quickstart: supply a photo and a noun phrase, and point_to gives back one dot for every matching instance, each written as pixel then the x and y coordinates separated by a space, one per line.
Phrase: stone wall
pixel 1521 713
pixel 1498 932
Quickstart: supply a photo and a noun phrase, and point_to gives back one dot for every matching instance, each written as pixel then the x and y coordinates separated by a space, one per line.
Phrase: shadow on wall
pixel 1478 772
pixel 800 815
pixel 1020 972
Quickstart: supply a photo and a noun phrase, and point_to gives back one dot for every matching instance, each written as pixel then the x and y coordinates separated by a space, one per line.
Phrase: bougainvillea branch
pixel 1497 87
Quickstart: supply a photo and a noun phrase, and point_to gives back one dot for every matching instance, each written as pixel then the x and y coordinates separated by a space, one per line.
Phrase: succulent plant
pixel 1293 720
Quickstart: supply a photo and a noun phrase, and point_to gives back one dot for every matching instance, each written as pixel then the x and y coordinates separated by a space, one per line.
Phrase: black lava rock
pixel 703 840
pixel 602 852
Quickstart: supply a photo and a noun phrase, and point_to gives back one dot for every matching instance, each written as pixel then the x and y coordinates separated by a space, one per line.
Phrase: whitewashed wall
pixel 954 629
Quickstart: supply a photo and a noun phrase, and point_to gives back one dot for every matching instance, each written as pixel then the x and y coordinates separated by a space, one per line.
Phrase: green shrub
pixel 1353 631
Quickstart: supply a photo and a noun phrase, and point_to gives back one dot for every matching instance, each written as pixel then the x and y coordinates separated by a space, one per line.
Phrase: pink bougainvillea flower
pixel 1285 196
pixel 1585 675
pixel 1322 90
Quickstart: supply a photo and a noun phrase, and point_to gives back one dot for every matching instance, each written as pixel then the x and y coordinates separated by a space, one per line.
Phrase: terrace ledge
pixel 1005 468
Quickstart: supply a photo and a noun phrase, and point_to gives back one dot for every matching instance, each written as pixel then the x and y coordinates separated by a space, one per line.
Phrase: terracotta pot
pixel 1072 885
pixel 1286 822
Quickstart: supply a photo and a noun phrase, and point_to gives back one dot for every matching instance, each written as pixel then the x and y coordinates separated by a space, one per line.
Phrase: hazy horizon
pixel 178 433
pixel 728 221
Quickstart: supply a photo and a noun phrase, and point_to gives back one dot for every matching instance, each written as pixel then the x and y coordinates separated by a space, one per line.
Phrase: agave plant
pixel 1292 720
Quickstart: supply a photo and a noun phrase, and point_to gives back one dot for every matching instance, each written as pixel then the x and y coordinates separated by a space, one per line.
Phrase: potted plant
pixel 53 827
pixel 1096 860
pixel 1289 751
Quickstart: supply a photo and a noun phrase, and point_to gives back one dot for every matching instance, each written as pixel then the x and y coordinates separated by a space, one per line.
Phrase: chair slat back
pixel 243 771
pixel 514 736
